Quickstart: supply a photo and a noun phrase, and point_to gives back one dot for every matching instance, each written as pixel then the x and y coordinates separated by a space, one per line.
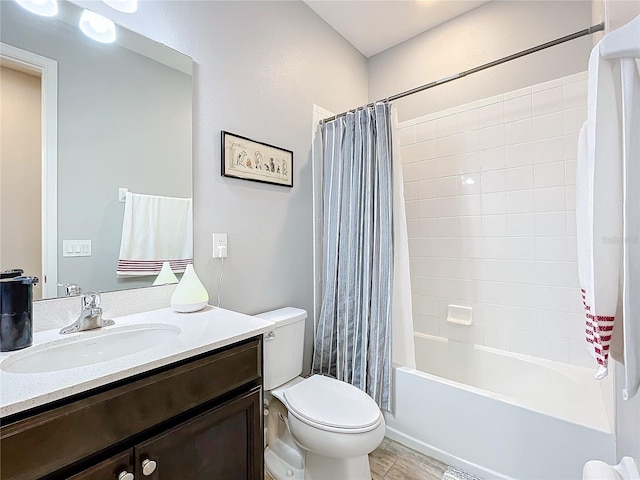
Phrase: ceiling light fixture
pixel 126 6
pixel 97 27
pixel 45 8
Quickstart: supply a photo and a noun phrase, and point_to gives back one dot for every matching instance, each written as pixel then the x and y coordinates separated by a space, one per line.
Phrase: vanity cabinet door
pixel 224 443
pixel 114 468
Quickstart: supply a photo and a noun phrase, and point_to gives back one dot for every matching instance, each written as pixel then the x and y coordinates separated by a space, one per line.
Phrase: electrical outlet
pixel 219 245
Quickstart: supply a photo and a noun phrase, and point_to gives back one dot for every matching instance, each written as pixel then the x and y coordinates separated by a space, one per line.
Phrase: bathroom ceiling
pixel 375 25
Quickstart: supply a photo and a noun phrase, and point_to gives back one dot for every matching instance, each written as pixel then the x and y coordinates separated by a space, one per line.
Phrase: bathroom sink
pixel 89 348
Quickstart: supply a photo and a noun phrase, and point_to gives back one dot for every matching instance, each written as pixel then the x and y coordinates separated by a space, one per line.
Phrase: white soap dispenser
pixel 190 294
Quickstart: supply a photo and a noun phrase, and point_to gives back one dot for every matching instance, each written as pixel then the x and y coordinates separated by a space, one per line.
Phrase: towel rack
pixel 122 194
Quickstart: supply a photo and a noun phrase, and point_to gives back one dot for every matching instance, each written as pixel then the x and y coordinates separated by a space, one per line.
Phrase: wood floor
pixel 393 461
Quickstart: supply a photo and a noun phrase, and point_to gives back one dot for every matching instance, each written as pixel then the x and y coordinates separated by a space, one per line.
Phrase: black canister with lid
pixel 16 305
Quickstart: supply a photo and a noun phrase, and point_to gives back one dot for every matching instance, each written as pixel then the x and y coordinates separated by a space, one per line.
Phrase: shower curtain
pixel 354 333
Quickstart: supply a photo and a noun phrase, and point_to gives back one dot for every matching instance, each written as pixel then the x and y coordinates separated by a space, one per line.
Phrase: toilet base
pixel 279 469
pixel 318 467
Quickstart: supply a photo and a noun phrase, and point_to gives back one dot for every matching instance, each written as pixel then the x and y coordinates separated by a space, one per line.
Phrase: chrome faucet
pixel 90 316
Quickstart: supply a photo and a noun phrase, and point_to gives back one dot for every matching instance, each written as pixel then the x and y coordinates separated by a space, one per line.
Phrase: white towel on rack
pixel 155 229
pixel 599 209
pixel 630 94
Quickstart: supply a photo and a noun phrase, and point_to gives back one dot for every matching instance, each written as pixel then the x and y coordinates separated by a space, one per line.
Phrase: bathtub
pixel 501 415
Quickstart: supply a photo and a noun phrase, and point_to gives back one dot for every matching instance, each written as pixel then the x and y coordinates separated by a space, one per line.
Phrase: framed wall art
pixel 256 161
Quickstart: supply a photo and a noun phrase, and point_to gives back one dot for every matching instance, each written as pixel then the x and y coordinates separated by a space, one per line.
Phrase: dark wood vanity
pixel 197 419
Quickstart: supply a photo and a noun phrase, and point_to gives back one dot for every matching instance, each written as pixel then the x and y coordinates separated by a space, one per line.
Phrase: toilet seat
pixel 332 405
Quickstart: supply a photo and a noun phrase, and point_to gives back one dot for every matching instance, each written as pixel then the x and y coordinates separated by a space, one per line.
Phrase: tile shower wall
pixel 490 197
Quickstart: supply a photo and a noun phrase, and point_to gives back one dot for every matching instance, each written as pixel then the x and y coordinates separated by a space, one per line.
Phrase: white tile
pixel 519 178
pixel 572 249
pixel 521 248
pixel 490 115
pixel 570 172
pixel 496 315
pixel 426 150
pixel 495 337
pixel 446 126
pixel 557 299
pixel 520 131
pixel 467 120
pixel 548 126
pixel 494 247
pixel 557 324
pixel 491 137
pixel 428 247
pixel 576 77
pixel 493 181
pixel 550 199
pixel 407 135
pixel 411 209
pixel 574 94
pixel 448 227
pixel 570 192
pixel 414 250
pixel 427 189
pixel 447 146
pixel 547 101
pixel 546 85
pixel 447 166
pixel 471 205
pixel 471 247
pixel 492 159
pixel 427 324
pixel 428 228
pixel 466 107
pixel 470 226
pixel 406 123
pixel 494 225
pixel 427 169
pixel 428 208
pixel 551 249
pixel 519 155
pixel 426 131
pixel 517 93
pixel 521 225
pixel 469 162
pixel 412 228
pixel 410 191
pixel 468 142
pixel 571 147
pixel 448 247
pixel 490 100
pixel 409 172
pixel 522 319
pixel 548 175
pixel 447 186
pixel 524 342
pixel 409 153
pixel 571 224
pixel 554 348
pixel 494 203
pixel 548 150
pixel 551 224
pixel 517 108
pixel 448 207
pixel 469 184
pixel 558 274
pixel 521 201
pixel 574 119
pixel 427 118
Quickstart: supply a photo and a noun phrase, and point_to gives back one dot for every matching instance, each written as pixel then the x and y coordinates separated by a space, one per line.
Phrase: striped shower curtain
pixel 353 336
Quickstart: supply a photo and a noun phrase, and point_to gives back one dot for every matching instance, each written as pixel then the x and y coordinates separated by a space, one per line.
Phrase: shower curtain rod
pixel 587 31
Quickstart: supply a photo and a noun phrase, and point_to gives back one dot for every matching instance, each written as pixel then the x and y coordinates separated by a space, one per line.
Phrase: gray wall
pixel 491 31
pixel 123 121
pixel 259 68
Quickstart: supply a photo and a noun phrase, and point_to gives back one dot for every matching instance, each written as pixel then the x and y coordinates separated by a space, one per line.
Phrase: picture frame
pixel 256 161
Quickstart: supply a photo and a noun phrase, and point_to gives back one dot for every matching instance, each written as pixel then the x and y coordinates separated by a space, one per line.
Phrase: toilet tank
pixel 283 346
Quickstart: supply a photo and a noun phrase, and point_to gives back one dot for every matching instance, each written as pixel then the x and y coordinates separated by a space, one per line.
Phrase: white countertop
pixel 200 332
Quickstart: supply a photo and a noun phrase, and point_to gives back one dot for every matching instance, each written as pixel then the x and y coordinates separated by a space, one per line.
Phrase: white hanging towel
pixel 630 90
pixel 599 209
pixel 155 230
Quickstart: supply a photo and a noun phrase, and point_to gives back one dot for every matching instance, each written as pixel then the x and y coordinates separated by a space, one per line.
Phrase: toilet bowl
pixel 326 427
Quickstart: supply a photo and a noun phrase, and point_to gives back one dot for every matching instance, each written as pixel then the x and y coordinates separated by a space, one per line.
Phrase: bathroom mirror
pixel 114 116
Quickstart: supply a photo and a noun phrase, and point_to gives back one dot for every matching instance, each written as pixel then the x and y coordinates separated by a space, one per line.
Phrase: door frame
pixel 47 69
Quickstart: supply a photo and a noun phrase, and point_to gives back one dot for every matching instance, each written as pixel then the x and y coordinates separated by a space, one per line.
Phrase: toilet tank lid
pixel 284 316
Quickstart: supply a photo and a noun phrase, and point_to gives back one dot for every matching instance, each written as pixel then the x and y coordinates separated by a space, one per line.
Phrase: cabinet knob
pixel 124 475
pixel 148 467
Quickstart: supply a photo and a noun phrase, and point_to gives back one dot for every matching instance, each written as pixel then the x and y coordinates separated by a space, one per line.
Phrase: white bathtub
pixel 501 415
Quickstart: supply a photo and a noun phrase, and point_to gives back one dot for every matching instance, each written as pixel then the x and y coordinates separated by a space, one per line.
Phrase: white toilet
pixel 318 428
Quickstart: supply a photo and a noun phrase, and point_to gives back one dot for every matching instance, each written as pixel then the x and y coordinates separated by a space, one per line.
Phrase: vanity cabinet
pixel 197 419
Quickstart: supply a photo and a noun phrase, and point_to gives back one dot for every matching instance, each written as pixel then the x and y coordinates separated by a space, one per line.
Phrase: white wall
pixel 259 68
pixel 491 31
pixel 490 195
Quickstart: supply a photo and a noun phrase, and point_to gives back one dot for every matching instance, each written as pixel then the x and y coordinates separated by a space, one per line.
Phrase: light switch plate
pixel 76 248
